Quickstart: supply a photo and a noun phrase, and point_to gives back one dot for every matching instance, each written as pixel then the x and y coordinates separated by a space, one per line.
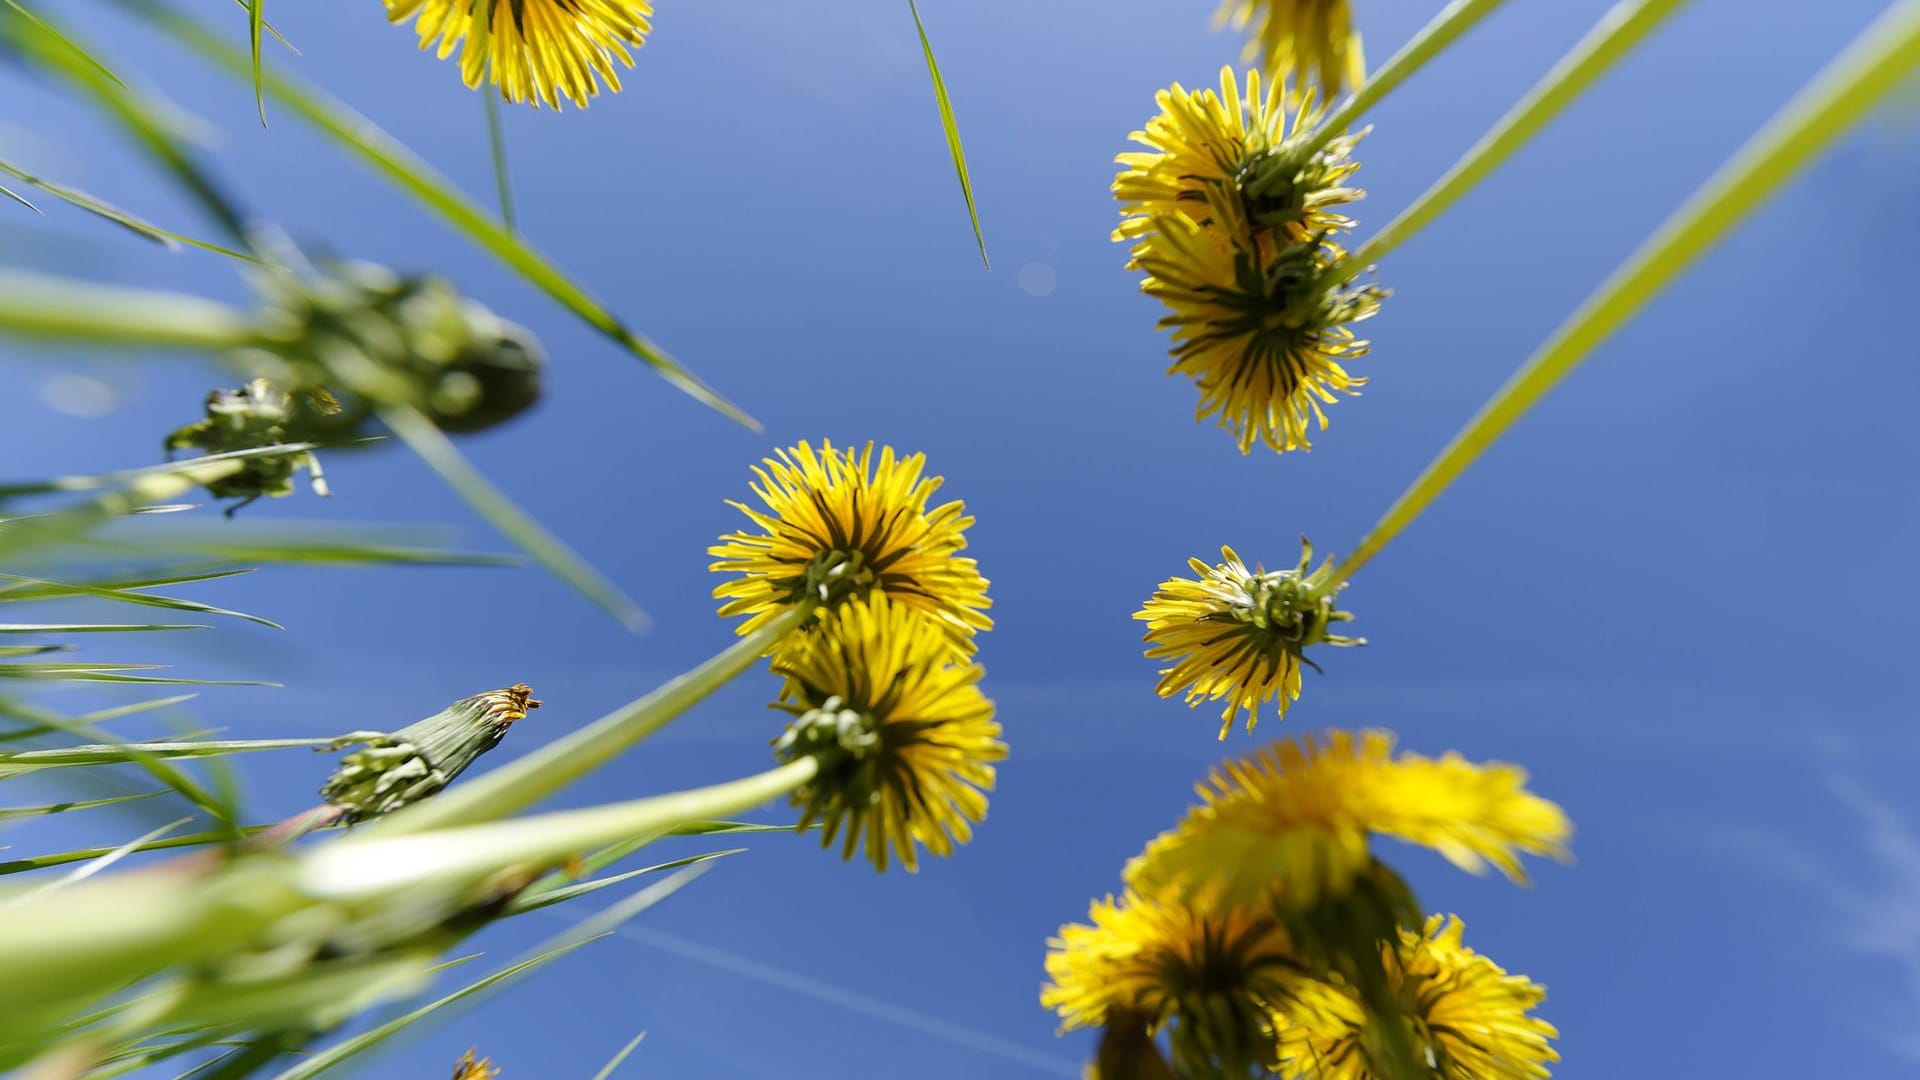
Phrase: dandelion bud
pixel 415 762
pixel 1242 634
pixel 395 339
pixel 469 1069
pixel 251 417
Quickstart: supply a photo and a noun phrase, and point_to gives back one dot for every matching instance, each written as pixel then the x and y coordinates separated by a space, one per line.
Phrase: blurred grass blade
pixel 391 159
pixel 1874 65
pixel 256 18
pixel 303 543
pixel 444 458
pixel 224 814
pixel 139 114
pixel 14 762
pixel 78 52
pixel 607 1069
pixel 92 867
pixel 103 209
pixel 95 628
pixel 94 674
pixel 47 590
pixel 1445 28
pixel 536 897
pixel 1617 33
pixel 15 196
pixel 952 129
pixel 43 306
pixel 61 858
pixel 95 481
pixel 118 711
pixel 497 144
pixel 10 813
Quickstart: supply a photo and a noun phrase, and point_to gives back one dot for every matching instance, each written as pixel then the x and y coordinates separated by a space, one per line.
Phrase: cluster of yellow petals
pixel 915 757
pixel 1293 822
pixel 1311 37
pixel 841 523
pixel 1470 1018
pixel 533 50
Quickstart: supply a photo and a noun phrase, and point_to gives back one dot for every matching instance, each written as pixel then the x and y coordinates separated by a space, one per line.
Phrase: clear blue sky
pixel 1681 592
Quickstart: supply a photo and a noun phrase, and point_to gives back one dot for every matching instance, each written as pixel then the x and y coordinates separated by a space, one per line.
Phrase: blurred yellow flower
pixel 1241 634
pixel 469 1069
pixel 906 738
pixel 1291 824
pixel 533 50
pixel 1314 38
pixel 1470 1019
pixel 1216 978
pixel 1202 142
pixel 842 524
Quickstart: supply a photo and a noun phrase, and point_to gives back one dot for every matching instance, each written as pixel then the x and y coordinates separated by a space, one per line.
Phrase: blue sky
pixel 1680 592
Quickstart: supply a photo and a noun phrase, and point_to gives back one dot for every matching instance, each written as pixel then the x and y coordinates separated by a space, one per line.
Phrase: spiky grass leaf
pixel 95 628
pixel 139 226
pixel 256 19
pixel 14 762
pixel 392 160
pixel 952 129
pixel 535 897
pixel 77 51
pixel 11 813
pixel 42 589
pixel 92 867
pixel 1874 65
pixel 607 1069
pixel 62 858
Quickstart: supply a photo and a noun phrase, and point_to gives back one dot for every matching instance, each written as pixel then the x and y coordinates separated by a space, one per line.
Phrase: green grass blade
pixel 1617 33
pixel 11 813
pixel 128 596
pixel 16 197
pixel 101 208
pixel 952 128
pixel 405 170
pixel 304 544
pixel 1441 31
pixel 95 628
pixel 28 588
pixel 607 1069
pixel 42 306
pixel 96 481
pixel 440 455
pixel 497 144
pixel 92 867
pixel 41 862
pixel 76 50
pixel 1873 66
pixel 536 898
pixel 256 19
pixel 13 762
pixel 56 673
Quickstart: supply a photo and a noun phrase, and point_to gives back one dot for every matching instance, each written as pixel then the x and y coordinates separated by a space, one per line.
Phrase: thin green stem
pixel 377 863
pixel 1444 29
pixel 1872 67
pixel 561 762
pixel 497 144
pixel 1611 39
pixel 42 306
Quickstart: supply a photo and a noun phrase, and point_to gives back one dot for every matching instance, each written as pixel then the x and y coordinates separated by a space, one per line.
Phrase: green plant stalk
pixel 371 865
pixel 1618 33
pixel 558 764
pixel 61 309
pixel 1873 66
pixel 1432 40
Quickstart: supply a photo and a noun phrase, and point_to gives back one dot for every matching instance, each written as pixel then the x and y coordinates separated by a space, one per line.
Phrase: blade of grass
pixel 61 858
pixel 224 814
pixel 392 160
pixel 42 306
pixel 16 197
pixel 77 51
pixel 1441 31
pixel 256 18
pixel 128 596
pixel 101 208
pixel 1616 34
pixel 440 455
pixel 304 544
pixel 95 628
pixel 14 762
pixel 535 898
pixel 1874 65
pixel 607 1069
pixel 93 866
pixel 11 813
pixel 497 143
pixel 952 129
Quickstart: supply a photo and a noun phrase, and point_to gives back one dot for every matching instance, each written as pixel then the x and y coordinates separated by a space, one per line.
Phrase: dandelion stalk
pixel 1611 39
pixel 561 762
pixel 1872 67
pixel 1433 39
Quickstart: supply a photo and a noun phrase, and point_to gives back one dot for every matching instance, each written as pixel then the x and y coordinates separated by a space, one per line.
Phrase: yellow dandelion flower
pixel 906 737
pixel 469 1069
pixel 1257 326
pixel 1241 634
pixel 1241 144
pixel 533 50
pixel 1215 978
pixel 1313 37
pixel 841 524
pixel 1291 824
pixel 1470 1019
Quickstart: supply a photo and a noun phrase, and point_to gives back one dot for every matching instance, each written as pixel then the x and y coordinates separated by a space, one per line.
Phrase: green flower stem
pixel 561 762
pixel 1444 29
pixel 1610 40
pixel 1872 67
pixel 374 863
pixel 60 309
